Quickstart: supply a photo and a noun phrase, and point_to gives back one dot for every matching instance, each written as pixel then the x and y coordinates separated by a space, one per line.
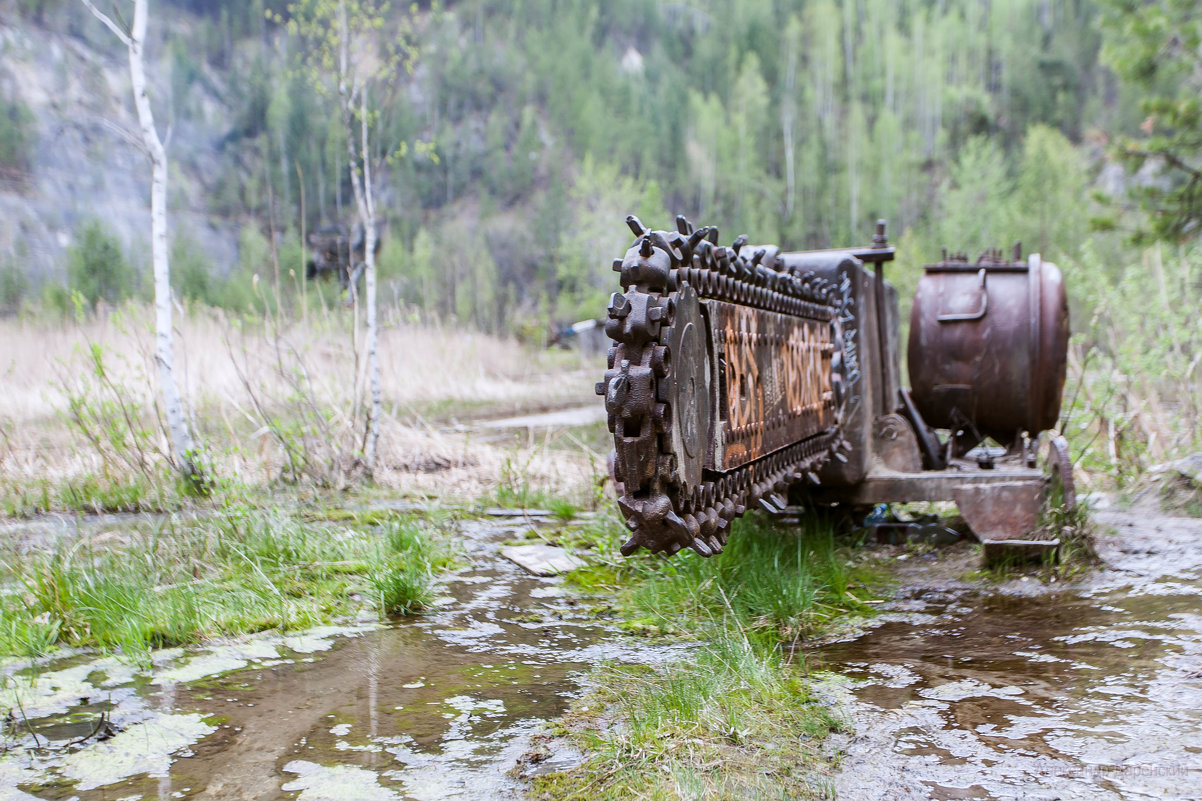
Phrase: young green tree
pixel 97 268
pixel 354 53
pixel 1050 197
pixel 1158 47
pixel 183 445
pixel 975 198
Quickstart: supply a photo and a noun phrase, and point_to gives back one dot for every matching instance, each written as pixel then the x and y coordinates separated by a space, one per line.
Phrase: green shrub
pixel 191 273
pixel 16 134
pixel 14 285
pixel 97 267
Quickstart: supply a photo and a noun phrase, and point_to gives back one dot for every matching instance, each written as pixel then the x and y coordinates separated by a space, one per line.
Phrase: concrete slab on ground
pixel 542 560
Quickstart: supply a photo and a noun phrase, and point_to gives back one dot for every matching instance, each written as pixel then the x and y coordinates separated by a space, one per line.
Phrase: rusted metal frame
pixel 776 381
pixel 973 315
pixel 868 255
pixel 1035 323
pixel 667 507
pixel 953 267
pixel 880 242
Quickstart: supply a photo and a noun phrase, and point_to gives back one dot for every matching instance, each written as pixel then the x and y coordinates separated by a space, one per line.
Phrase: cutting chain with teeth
pixel 724 384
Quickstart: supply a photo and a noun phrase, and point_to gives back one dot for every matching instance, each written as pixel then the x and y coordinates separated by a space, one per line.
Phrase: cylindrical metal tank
pixel 989 344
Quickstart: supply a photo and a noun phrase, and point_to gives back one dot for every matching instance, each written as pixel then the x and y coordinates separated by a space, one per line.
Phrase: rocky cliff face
pixel 86 161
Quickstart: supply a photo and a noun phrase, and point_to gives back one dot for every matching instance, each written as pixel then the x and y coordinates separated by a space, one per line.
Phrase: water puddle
pixel 441 706
pixel 1093 692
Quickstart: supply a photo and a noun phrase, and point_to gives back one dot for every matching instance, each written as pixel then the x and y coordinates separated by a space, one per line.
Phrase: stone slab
pixel 542 560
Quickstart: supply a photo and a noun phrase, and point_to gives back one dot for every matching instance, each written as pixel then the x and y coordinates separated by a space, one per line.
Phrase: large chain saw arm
pixel 725 383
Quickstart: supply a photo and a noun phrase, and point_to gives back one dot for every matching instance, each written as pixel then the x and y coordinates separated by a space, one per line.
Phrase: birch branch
pixel 108 23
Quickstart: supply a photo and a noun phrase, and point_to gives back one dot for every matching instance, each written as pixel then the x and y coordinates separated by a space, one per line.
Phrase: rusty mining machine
pixel 745 376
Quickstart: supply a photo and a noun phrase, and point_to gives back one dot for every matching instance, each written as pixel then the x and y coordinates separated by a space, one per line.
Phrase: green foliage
pixel 738 700
pixel 515 490
pixel 732 703
pixel 600 199
pixel 1050 204
pixel 550 121
pixel 247 570
pixel 109 413
pixel 14 285
pixel 90 493
pixel 1157 47
pixel 777 582
pixel 406 559
pixel 1135 390
pixel 976 198
pixel 97 267
pixel 191 272
pixel 16 134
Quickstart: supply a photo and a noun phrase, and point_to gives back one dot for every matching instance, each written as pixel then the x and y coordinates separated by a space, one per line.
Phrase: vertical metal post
pixel 879 241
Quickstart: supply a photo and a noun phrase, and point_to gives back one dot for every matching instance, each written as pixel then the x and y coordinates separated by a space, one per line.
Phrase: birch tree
pixel 183 445
pixel 351 59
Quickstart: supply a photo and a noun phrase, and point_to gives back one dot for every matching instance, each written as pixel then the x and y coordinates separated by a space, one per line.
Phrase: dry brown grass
pixel 434 377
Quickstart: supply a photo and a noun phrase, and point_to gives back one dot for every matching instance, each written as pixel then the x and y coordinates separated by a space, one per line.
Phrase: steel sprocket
pixel 660 385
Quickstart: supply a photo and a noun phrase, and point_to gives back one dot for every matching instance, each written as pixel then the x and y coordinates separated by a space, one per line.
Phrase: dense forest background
pixel 969 124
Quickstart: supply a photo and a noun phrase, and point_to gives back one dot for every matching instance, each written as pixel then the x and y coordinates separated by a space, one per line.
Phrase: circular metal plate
pixel 1062 490
pixel 688 386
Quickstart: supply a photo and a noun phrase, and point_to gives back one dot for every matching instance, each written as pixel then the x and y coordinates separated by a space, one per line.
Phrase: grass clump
pixel 183 582
pixel 400 581
pixel 738 722
pixel 92 493
pixel 781 583
pixel 737 718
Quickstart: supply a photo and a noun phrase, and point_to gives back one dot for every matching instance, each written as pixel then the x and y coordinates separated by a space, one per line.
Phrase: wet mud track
pixel 442 706
pixel 1030 691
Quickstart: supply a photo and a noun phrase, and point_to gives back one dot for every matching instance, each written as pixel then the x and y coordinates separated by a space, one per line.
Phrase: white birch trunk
pixel 183 446
pixel 372 434
pixel 360 164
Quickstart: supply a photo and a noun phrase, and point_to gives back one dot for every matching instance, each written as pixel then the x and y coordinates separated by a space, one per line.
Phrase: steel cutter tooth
pixel 666 512
pixel 631 545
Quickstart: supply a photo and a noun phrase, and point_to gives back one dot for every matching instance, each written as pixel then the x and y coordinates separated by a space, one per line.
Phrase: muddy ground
pixel 963 687
pixel 1032 690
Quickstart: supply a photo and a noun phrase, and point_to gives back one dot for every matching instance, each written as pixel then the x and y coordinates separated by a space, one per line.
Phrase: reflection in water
pixel 440 706
pixel 1087 694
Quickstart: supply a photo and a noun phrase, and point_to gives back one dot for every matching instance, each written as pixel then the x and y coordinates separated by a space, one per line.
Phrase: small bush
pixel 16 134
pixel 192 274
pixel 14 286
pixel 97 267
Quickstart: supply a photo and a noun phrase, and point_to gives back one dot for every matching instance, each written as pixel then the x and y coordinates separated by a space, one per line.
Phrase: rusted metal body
pixel 774 381
pixel 743 375
pixel 987 345
pixel 339 252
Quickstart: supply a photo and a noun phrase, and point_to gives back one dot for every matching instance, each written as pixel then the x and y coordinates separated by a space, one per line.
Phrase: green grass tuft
pixel 661 733
pixel 181 583
pixel 735 719
pixel 778 582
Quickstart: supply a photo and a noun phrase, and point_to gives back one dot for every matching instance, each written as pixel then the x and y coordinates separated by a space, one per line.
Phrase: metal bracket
pixel 979 313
